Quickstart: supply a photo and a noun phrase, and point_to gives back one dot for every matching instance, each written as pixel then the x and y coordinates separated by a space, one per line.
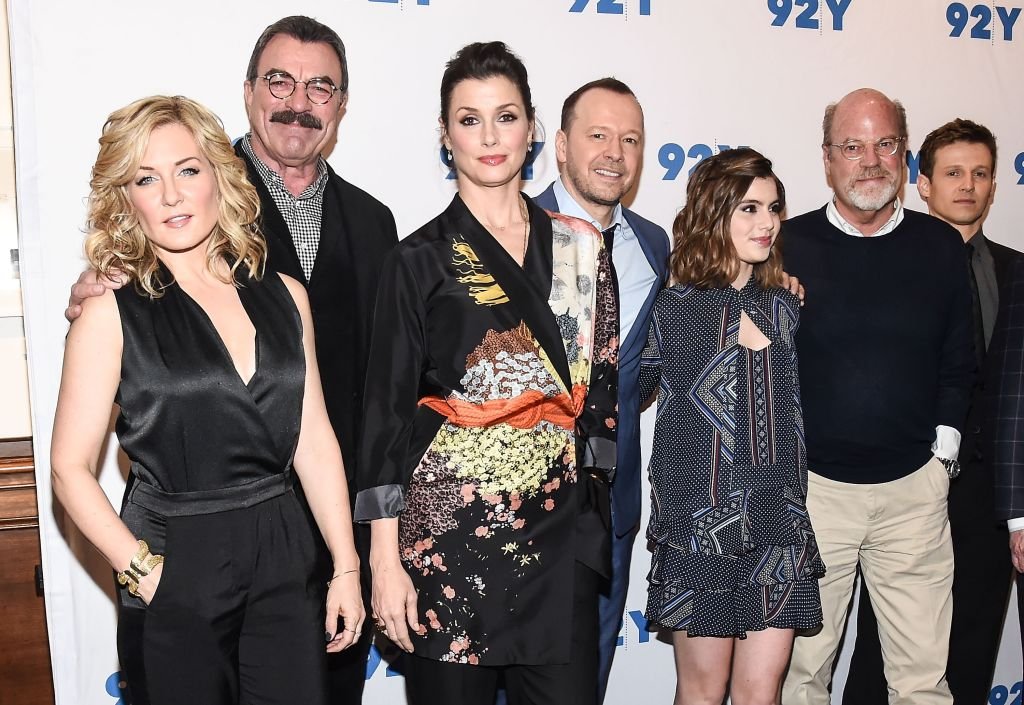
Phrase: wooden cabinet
pixel 25 675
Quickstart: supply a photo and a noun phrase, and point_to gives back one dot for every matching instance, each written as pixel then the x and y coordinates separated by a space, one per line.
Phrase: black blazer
pixel 356 233
pixel 976 429
pixel 999 407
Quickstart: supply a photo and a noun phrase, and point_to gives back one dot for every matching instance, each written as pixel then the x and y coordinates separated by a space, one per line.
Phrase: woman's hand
pixel 149 583
pixel 345 613
pixel 394 603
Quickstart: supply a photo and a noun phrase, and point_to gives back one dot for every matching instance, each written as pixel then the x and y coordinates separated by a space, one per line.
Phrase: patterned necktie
pixel 608 234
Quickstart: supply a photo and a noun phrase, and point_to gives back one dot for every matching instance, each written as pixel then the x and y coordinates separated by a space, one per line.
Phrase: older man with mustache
pixel 886 370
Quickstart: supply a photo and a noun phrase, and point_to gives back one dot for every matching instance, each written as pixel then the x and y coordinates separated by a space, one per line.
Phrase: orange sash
pixel 525 411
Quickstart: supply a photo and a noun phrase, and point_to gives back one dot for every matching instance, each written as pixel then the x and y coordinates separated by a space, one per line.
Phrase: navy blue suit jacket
pixel 626 488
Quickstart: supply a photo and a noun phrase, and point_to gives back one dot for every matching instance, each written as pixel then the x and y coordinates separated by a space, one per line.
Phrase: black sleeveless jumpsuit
pixel 237 616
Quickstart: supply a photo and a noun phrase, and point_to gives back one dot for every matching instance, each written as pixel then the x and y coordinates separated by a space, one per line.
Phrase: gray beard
pixel 872 202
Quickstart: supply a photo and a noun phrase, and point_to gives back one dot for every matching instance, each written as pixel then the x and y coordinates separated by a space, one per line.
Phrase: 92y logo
pixel 959 17
pixel 805 19
pixel 673 156
pixel 610 7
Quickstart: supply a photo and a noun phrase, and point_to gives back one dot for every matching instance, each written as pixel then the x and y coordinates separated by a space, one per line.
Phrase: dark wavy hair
pixel 703 254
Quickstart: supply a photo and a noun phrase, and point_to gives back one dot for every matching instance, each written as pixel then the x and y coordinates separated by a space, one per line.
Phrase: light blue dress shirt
pixel 633 271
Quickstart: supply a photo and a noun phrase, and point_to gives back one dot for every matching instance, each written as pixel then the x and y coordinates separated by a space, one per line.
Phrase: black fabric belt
pixel 177 504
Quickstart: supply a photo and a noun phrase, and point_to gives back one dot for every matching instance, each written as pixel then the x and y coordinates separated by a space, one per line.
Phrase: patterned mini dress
pixel 734 550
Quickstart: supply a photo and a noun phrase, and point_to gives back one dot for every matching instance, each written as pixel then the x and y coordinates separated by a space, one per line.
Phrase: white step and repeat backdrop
pixel 709 73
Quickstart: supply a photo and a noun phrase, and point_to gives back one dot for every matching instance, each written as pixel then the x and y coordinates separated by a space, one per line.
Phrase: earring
pixel 450 156
pixel 529 147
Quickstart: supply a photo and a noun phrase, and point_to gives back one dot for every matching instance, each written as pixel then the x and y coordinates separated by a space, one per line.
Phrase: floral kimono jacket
pixel 489 420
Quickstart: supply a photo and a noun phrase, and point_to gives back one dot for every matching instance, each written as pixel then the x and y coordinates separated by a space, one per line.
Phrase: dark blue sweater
pixel 885 344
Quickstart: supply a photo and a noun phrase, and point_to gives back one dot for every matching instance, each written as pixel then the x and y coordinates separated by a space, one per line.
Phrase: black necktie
pixel 608 234
pixel 979 325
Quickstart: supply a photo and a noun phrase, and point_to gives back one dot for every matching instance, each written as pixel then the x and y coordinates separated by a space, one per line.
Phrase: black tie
pixel 608 234
pixel 979 325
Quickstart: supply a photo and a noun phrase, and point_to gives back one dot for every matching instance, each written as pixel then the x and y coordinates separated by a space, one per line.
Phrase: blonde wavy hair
pixel 116 240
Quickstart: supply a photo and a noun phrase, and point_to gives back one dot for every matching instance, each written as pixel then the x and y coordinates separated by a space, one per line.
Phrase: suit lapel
pixel 283 257
pixel 653 254
pixel 1002 259
pixel 332 228
pixel 527 287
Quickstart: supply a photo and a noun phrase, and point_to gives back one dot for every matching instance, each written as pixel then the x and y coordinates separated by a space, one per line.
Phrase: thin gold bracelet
pixel 338 575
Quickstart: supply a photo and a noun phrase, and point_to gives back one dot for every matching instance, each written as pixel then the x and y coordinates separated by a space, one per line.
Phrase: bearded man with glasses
pixel 886 370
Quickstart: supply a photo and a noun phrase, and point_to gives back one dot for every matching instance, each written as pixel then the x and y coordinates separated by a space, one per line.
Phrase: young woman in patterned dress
pixel 735 565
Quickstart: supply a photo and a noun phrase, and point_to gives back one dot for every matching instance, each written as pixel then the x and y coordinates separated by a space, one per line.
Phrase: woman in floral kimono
pixel 489 438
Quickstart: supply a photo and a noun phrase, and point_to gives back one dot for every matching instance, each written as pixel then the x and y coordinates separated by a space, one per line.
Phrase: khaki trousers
pixel 898 532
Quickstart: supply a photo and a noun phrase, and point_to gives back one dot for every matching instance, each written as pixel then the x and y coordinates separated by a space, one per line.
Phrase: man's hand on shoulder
pixel 795 287
pixel 90 283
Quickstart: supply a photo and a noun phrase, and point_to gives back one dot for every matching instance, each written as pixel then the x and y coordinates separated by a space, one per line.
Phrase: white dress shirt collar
pixel 836 218
pixel 567 205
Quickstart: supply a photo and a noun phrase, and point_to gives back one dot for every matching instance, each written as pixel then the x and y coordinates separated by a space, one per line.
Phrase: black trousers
pixel 430 682
pixel 237 617
pixel 982 577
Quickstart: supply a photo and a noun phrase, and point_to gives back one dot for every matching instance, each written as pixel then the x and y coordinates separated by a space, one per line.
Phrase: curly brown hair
pixel 116 240
pixel 703 254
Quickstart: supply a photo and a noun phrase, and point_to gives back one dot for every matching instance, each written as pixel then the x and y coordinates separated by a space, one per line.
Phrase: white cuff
pixel 1015 524
pixel 947 442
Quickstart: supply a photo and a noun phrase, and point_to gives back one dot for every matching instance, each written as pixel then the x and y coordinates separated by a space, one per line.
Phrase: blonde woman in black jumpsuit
pixel 212 366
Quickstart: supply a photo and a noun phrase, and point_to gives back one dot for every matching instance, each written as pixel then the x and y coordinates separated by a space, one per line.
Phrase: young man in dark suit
pixel 599 149
pixel 321 230
pixel 957 181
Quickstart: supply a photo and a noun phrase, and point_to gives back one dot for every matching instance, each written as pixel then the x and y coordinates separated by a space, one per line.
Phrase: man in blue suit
pixel 599 149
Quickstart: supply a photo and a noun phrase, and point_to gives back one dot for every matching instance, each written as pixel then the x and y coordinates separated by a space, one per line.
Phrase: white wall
pixel 708 73
pixel 15 417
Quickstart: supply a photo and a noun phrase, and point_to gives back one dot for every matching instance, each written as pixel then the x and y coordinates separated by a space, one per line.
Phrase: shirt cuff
pixel 947 442
pixel 599 454
pixel 1015 524
pixel 381 502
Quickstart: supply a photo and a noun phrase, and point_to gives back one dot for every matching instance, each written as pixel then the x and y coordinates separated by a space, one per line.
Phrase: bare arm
pixel 320 467
pixel 92 369
pixel 394 597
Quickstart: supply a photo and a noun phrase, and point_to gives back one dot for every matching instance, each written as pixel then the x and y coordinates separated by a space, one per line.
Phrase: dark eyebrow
pixel 506 106
pixel 271 72
pixel 609 128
